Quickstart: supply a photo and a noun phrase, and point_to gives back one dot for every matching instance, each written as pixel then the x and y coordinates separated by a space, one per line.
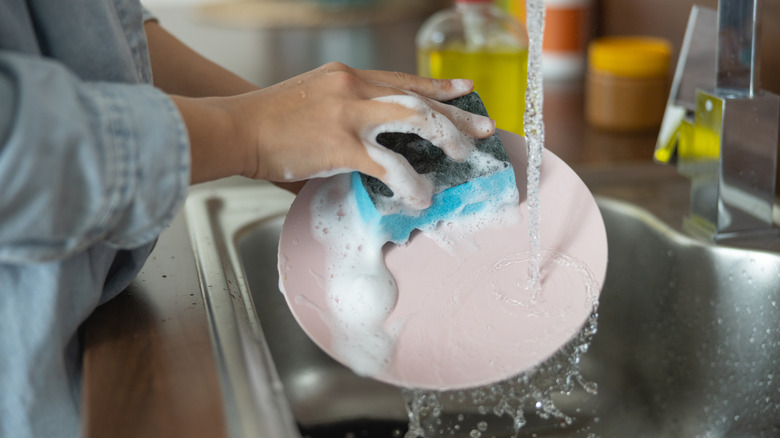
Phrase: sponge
pixel 461 188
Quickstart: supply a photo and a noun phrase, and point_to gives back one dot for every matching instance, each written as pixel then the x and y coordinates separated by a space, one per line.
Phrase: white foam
pixel 361 291
pixel 412 189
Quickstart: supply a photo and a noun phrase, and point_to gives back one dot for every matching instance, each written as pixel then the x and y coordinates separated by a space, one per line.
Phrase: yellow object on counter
pixel 628 83
pixel 499 78
pixel 634 57
pixel 476 40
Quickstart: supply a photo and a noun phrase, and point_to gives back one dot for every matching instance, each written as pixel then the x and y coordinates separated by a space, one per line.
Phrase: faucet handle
pixel 695 69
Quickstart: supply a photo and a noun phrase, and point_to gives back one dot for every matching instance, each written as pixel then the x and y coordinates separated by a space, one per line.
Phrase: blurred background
pixel 267 41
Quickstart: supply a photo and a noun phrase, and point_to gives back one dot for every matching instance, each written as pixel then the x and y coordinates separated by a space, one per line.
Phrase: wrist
pixel 217 148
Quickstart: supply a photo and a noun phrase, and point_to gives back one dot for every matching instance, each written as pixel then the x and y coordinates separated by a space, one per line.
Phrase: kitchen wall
pixel 241 37
pixel 667 18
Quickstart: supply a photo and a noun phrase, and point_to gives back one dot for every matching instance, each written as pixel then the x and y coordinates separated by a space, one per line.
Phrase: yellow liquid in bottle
pixel 499 77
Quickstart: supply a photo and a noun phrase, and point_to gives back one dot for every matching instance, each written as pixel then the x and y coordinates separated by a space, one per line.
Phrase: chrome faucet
pixel 720 127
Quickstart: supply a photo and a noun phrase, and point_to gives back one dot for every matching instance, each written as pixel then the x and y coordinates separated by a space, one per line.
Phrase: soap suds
pixel 361 291
pixel 410 188
pixel 482 163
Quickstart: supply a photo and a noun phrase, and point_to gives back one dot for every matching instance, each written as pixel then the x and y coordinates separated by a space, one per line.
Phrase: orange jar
pixel 627 83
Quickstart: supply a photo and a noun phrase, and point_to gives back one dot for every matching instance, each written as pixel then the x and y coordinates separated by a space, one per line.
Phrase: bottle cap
pixel 636 57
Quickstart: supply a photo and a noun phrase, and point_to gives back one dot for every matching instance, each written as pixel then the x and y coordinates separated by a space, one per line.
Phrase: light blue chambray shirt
pixel 94 162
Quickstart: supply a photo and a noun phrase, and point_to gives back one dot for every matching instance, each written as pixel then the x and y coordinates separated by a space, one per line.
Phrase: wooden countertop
pixel 149 368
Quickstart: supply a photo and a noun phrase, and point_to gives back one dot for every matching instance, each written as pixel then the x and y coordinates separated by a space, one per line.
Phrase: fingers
pixel 451 129
pixel 428 124
pixel 409 188
pixel 428 91
pixel 473 125
pixel 412 114
pixel 437 89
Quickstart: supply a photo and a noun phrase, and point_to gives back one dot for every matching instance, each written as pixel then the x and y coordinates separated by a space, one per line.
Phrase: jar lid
pixel 637 57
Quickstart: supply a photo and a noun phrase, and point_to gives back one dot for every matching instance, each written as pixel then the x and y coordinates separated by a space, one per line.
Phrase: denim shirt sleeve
pixel 82 162
pixel 147 15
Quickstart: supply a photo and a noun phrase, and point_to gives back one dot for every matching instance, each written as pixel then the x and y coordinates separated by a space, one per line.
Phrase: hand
pixel 326 121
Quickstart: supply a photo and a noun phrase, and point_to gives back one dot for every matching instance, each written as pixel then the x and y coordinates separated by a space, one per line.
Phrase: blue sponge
pixel 460 188
pixel 461 200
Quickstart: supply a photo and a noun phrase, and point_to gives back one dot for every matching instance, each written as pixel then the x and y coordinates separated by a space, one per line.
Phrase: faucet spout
pixel 738 47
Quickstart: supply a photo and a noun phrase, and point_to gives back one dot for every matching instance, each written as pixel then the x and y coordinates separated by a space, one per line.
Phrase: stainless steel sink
pixel 688 340
pixel 689 334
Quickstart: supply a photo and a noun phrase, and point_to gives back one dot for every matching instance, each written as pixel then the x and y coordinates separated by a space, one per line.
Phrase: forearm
pixel 196 85
pixel 181 71
pixel 216 146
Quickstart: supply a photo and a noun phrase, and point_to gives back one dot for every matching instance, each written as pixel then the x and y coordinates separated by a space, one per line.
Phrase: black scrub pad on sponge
pixel 486 178
pixel 426 158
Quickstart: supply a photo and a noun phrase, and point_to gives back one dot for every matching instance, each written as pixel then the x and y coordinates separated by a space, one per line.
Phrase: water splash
pixel 530 398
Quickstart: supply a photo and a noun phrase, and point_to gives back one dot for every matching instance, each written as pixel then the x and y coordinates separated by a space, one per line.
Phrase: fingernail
pixel 462 85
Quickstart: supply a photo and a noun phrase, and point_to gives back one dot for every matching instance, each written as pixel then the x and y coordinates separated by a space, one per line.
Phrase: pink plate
pixel 463 316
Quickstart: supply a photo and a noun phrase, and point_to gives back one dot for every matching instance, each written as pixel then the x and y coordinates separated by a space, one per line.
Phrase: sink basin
pixel 688 340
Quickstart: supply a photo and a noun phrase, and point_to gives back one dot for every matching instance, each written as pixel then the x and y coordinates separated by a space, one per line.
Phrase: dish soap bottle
pixel 476 40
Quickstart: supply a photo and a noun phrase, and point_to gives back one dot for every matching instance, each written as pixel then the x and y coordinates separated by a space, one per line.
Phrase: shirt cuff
pixel 149 16
pixel 151 159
